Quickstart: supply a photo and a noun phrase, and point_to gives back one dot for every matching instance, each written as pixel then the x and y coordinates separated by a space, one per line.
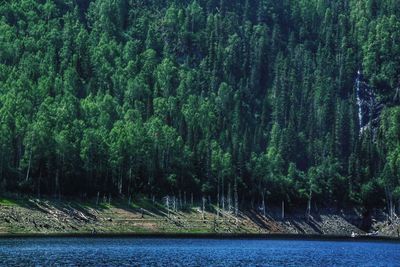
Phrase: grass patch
pixel 8 202
pixel 105 205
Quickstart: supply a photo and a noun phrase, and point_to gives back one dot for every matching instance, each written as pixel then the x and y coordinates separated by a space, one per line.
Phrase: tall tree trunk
pixel 180 199
pixel 218 196
pixel 130 180
pixel 236 198
pixel 30 158
pixel 120 180
pixel 204 206
pixel 308 212
pixel 222 195
pixel 263 203
pixel 229 198
pixel 29 166
pixel 389 200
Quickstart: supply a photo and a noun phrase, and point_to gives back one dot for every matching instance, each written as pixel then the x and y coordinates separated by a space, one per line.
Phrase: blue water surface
pixel 194 252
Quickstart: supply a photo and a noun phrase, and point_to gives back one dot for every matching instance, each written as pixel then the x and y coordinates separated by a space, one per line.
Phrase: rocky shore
pixel 47 217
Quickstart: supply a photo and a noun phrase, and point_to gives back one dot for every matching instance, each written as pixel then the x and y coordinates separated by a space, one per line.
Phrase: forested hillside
pixel 236 100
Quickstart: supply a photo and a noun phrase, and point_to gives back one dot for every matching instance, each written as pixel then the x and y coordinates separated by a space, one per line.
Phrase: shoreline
pixel 217 236
pixel 143 219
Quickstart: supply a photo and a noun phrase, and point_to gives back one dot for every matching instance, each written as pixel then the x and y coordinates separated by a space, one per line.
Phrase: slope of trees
pixel 206 97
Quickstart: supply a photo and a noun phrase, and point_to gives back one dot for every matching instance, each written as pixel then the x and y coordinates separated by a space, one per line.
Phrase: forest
pixel 233 100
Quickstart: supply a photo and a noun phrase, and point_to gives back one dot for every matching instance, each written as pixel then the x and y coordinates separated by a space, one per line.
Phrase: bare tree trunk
pixel 223 197
pixel 204 206
pixel 167 204
pixel 29 164
pixel 130 181
pixel 283 210
pixel 389 199
pixel 236 199
pixel 308 212
pixel 120 181
pixel 174 203
pixel 229 198
pixel 180 200
pixel 218 202
pixel 263 203
pixel 392 206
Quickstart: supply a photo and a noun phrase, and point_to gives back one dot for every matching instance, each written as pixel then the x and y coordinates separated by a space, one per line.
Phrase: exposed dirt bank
pixel 33 216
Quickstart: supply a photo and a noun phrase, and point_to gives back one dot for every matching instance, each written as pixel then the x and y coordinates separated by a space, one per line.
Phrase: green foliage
pixel 162 97
pixel 8 202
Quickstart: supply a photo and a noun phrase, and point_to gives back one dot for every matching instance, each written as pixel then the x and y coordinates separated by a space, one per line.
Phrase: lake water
pixel 194 252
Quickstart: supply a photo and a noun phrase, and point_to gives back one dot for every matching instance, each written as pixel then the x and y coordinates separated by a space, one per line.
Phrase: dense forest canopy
pixel 253 98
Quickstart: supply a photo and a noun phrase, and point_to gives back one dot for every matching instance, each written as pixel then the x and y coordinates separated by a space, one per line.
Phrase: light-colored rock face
pixel 369 108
